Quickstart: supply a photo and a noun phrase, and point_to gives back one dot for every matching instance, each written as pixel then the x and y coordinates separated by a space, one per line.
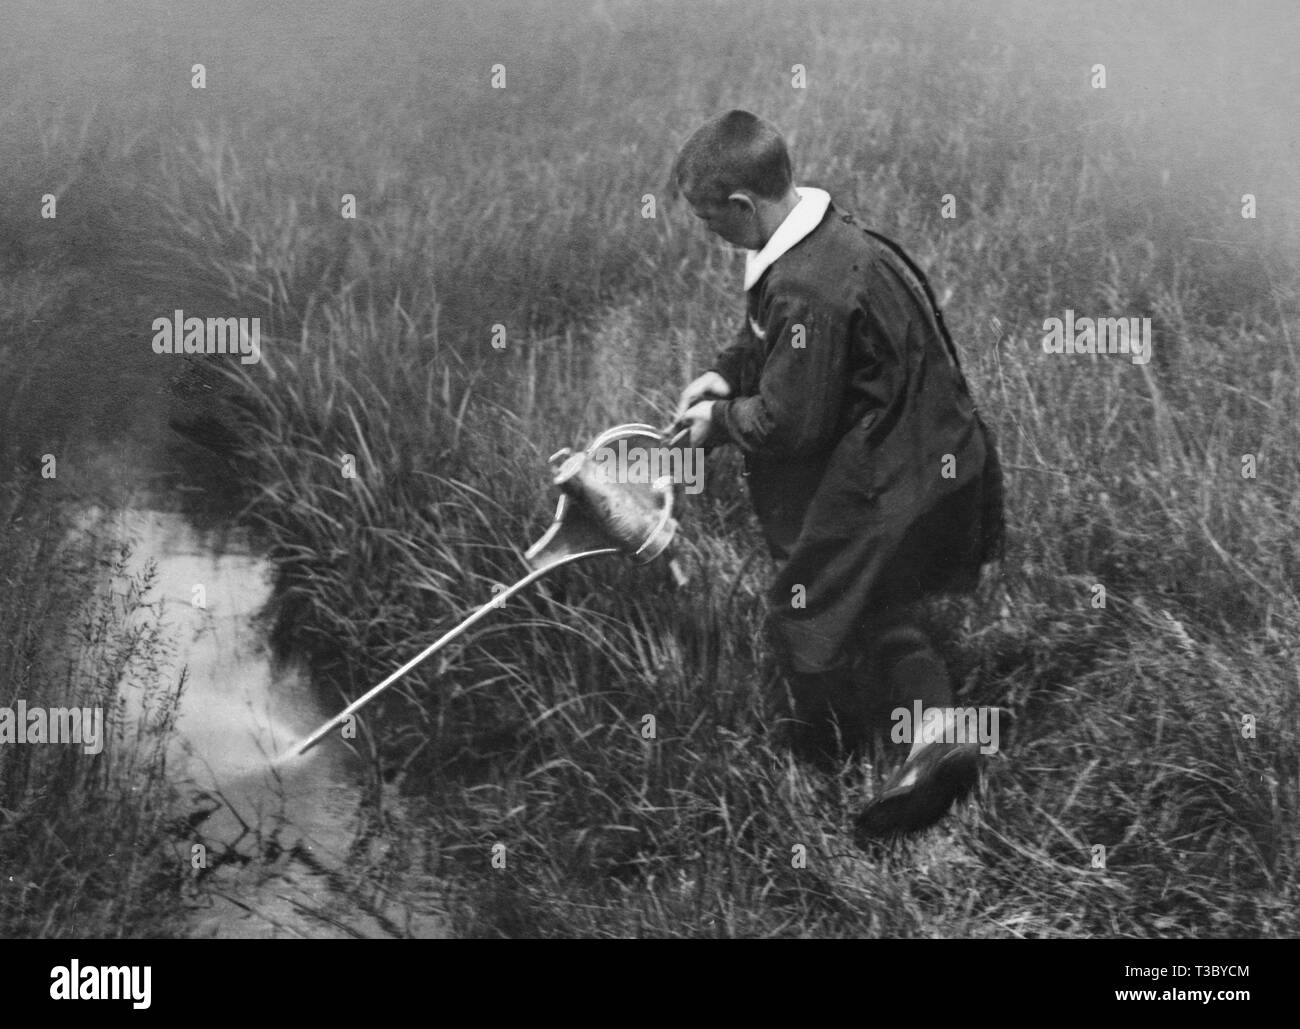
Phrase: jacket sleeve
pixel 737 361
pixel 797 408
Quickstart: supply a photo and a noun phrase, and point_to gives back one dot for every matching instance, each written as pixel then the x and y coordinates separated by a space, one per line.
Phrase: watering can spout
pixel 602 510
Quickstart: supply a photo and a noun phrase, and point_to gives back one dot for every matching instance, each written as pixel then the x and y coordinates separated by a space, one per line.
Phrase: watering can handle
pixel 676 440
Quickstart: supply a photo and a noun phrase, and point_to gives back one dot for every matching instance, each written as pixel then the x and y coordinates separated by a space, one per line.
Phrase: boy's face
pixel 730 218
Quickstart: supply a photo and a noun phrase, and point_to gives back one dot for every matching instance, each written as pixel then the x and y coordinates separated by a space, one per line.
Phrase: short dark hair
pixel 732 151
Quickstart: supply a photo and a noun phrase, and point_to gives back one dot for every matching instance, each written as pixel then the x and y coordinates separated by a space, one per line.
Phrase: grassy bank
pixel 85 827
pixel 523 208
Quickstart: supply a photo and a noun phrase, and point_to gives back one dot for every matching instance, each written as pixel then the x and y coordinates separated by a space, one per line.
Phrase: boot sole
pixel 902 811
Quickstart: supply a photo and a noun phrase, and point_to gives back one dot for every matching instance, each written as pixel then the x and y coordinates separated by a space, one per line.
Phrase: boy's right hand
pixel 709 386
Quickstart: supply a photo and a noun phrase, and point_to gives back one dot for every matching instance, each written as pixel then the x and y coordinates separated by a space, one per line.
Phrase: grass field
pixel 524 207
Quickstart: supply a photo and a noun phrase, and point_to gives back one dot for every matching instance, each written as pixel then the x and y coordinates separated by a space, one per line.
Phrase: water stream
pixel 292 849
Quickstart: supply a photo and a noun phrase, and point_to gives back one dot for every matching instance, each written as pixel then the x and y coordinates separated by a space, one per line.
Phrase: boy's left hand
pixel 700 420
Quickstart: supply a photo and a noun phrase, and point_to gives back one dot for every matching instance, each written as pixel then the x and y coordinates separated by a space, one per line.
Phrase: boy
pixel 872 475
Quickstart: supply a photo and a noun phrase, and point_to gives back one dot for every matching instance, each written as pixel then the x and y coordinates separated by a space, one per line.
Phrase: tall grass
pixel 86 839
pixel 523 208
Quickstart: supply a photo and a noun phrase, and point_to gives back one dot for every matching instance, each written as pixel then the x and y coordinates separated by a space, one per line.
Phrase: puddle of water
pixel 290 833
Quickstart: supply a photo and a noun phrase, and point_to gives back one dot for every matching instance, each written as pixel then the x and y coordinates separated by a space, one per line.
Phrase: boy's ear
pixel 744 199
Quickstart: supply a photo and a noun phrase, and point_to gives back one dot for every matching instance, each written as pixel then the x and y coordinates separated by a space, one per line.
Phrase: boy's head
pixel 731 169
pixel 734 151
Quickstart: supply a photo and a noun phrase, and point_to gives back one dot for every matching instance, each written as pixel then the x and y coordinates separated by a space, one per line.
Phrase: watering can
pixel 602 510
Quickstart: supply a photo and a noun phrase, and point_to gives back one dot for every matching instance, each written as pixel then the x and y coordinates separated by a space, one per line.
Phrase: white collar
pixel 806 216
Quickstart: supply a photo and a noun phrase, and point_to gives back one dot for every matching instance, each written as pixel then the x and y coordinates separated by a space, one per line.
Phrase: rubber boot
pixel 933 773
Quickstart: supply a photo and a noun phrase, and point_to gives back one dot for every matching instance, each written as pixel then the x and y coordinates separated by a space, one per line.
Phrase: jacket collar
pixel 805 217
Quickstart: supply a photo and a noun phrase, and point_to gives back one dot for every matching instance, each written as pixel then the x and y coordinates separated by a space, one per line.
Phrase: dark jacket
pixel 872 475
